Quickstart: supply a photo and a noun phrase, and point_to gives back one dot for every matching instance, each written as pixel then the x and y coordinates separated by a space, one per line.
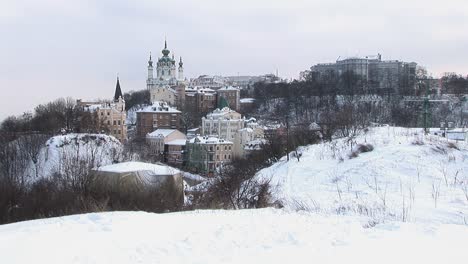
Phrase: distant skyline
pixel 65 48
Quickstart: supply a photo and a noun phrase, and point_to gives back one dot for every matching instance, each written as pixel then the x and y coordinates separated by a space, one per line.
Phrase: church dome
pixel 165 51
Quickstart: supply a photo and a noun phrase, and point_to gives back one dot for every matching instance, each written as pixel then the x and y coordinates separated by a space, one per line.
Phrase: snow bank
pixel 134 166
pixel 61 151
pixel 247 236
pixel 407 176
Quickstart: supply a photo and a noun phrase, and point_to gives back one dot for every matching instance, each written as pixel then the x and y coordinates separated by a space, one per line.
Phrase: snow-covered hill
pixel 65 151
pixel 407 176
pixel 247 236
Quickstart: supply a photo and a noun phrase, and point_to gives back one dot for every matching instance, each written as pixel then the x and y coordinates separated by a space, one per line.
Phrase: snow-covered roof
pixel 178 142
pixel 161 133
pixel 209 140
pixel 228 88
pixel 247 100
pixel 255 144
pixel 247 129
pixel 222 113
pixel 159 107
pixel 134 166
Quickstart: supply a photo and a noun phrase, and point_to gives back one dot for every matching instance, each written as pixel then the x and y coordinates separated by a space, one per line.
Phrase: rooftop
pixel 208 140
pixel 134 166
pixel 161 133
pixel 159 107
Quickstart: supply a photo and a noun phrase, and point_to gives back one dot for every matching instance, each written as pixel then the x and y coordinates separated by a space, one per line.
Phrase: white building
pixel 223 123
pixel 207 81
pixel 166 85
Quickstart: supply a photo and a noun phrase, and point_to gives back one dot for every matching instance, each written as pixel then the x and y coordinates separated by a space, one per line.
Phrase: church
pixel 169 84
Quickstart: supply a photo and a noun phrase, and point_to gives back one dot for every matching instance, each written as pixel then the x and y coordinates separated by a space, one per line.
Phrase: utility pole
pixel 426 111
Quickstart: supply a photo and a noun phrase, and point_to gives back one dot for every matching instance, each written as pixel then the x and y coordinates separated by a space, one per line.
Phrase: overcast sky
pixel 59 48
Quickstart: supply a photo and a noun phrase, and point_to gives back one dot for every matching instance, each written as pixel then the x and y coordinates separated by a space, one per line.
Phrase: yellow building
pixel 111 115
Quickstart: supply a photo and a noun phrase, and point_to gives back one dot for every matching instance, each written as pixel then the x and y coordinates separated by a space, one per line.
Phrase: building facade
pixel 160 137
pixel 223 123
pixel 378 73
pixel 159 115
pixel 210 82
pixel 207 155
pixel 168 85
pixel 231 95
pixel 200 100
pixel 174 151
pixel 111 115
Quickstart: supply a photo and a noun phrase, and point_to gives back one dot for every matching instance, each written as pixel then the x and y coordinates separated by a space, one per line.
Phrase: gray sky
pixel 60 48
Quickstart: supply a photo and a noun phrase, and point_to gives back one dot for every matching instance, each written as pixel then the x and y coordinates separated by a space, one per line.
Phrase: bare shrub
pixel 435 192
pixel 361 148
pixel 365 148
pixel 417 142
pixel 237 186
pixel 452 145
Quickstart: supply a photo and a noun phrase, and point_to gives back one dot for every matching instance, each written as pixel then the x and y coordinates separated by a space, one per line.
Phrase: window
pixel 217 147
pixel 229 156
pixel 118 132
pixel 224 156
pixel 108 122
pixel 119 122
pixel 229 147
pixel 108 113
pixel 225 147
pixel 115 122
pixel 217 157
pixel 102 113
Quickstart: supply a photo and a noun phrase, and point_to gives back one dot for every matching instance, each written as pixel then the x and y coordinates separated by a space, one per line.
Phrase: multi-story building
pixel 160 137
pixel 223 123
pixel 200 100
pixel 231 95
pixel 208 154
pixel 378 73
pixel 207 81
pixel 111 115
pixel 156 116
pixel 174 151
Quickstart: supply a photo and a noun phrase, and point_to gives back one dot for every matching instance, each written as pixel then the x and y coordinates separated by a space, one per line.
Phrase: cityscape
pixel 219 132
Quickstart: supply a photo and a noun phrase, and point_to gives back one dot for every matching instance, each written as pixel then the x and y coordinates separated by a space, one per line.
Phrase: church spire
pixel 181 64
pixel 118 91
pixel 165 51
pixel 150 62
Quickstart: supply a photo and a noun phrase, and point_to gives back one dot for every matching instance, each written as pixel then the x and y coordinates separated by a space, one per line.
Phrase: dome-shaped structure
pixel 165 51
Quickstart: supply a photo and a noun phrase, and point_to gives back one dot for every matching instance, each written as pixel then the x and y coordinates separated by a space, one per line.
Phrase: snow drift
pixel 404 176
pixel 246 236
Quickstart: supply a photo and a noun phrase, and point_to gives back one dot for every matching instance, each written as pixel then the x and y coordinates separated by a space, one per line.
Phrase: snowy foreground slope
pixel 406 177
pixel 247 236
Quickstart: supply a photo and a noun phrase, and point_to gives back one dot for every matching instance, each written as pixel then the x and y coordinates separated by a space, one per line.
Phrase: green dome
pixel 165 51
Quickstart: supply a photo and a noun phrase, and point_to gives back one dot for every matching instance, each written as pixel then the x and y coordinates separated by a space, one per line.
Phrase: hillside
pixel 245 236
pixel 66 151
pixel 406 177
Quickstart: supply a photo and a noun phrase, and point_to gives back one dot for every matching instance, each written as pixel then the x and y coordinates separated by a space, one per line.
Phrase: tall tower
pixel 150 68
pixel 118 91
pixel 181 69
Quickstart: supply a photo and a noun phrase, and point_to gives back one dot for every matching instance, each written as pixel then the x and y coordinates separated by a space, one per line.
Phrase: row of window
pixel 217 148
pixel 116 122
